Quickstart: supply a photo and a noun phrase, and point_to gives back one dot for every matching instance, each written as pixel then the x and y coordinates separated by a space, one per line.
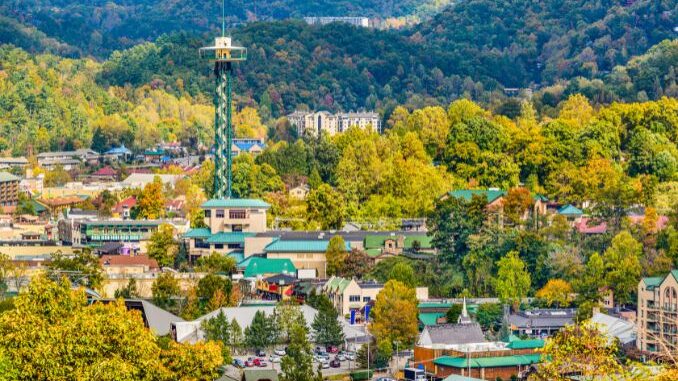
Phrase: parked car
pixel 332 349
pixel 335 363
pixel 238 363
pixel 385 379
pixel 325 364
pixel 279 352
pixel 262 364
pixel 274 359
pixel 351 356
pixel 249 362
pixel 260 353
pixel 341 357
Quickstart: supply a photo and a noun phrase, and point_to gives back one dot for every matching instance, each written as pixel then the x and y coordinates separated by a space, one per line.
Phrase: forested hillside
pixel 98 27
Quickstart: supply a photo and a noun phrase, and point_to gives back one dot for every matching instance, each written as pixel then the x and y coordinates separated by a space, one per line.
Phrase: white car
pixel 325 364
pixel 341 357
pixel 351 356
pixel 274 359
pixel 279 352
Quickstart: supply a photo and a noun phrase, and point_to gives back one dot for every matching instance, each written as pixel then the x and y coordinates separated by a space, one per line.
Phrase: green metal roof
pixel 570 210
pixel 229 237
pixel 301 246
pixel 456 377
pixel 6 176
pixel 377 241
pixel 260 266
pixel 434 305
pixel 38 207
pixel 198 233
pixel 488 362
pixel 337 284
pixel 235 203
pixel 430 318
pixel 526 344
pixel 467 194
pixel 652 282
pixel 373 252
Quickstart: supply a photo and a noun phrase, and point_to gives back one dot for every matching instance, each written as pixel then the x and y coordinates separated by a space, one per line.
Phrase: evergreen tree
pixel 218 329
pixel 327 328
pixel 260 334
pixel 297 364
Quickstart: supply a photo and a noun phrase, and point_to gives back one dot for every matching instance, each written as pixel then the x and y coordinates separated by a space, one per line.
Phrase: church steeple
pixel 464 318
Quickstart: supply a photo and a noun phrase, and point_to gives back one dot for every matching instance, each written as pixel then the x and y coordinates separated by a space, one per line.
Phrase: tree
pixel 326 206
pixel 513 280
pixel 218 329
pixel 403 273
pixel 151 200
pixel 165 289
pixel 53 332
pixel 297 364
pixel 326 326
pixel 335 255
pixel 556 292
pixel 394 317
pixel 24 205
pixel 453 313
pixel 356 264
pixel 236 335
pixel 82 268
pixel 211 285
pixel 622 265
pixel 516 203
pixel 216 263
pixel 261 333
pixel 162 246
pixel 286 315
pixel 128 292
pixel 488 315
pixel 451 224
pixel 589 285
pixel 579 349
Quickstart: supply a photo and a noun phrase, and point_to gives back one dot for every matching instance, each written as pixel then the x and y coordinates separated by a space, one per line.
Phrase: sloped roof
pixel 305 246
pixel 488 362
pixel 6 176
pixel 583 227
pixel 570 210
pixel 430 318
pixel 526 344
pixel 378 240
pixel 611 326
pixel 157 319
pixel 229 237
pixel 467 194
pixel 448 334
pixel 105 171
pixel 261 266
pixel 198 233
pixel 128 260
pixel 235 203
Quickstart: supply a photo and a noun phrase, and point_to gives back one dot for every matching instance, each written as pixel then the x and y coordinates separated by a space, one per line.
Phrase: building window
pixel 237 214
pixel 236 228
pixel 354 298
pixel 219 246
pixel 366 299
pixel 208 213
pixel 220 213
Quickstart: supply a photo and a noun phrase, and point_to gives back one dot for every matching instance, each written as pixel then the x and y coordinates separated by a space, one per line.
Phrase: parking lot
pixel 346 366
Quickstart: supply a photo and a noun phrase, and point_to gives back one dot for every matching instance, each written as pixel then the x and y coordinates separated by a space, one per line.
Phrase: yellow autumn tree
pixel 395 314
pixel 556 292
pixel 54 333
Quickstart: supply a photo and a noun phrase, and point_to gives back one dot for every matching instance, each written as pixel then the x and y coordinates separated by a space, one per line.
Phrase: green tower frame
pixel 224 54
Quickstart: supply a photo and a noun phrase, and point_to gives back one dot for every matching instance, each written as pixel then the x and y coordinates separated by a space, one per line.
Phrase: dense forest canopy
pixel 98 27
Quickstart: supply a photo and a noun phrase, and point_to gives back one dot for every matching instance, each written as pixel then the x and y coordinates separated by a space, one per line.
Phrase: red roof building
pixel 106 171
pixel 124 206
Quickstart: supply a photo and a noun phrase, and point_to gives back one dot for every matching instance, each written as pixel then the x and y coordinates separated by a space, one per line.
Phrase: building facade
pixel 9 190
pixel 657 320
pixel 363 22
pixel 323 122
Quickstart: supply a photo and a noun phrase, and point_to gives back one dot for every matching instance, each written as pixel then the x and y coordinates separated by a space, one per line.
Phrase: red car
pixel 260 363
pixel 332 349
pixel 249 362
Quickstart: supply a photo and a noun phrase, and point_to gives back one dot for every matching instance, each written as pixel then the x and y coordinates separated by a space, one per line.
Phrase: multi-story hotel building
pixel 323 122
pixel 657 319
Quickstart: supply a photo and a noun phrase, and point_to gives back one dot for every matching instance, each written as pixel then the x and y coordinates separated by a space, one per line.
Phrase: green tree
pixel 218 329
pixel 513 280
pixel 211 284
pixel 81 268
pixel 335 255
pixel 326 326
pixel 165 290
pixel 287 315
pixel 162 246
pixel 325 206
pixel 216 263
pixel 453 313
pixel 403 273
pixel 128 292
pixel 297 364
pixel 622 266
pixel 261 332
pixel 236 335
pixel 356 264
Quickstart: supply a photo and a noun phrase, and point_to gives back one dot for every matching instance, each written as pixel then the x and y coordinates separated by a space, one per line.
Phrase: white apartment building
pixel 323 122
pixel 355 21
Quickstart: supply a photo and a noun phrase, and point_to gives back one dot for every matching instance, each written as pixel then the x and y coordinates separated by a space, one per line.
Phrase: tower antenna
pixel 223 18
